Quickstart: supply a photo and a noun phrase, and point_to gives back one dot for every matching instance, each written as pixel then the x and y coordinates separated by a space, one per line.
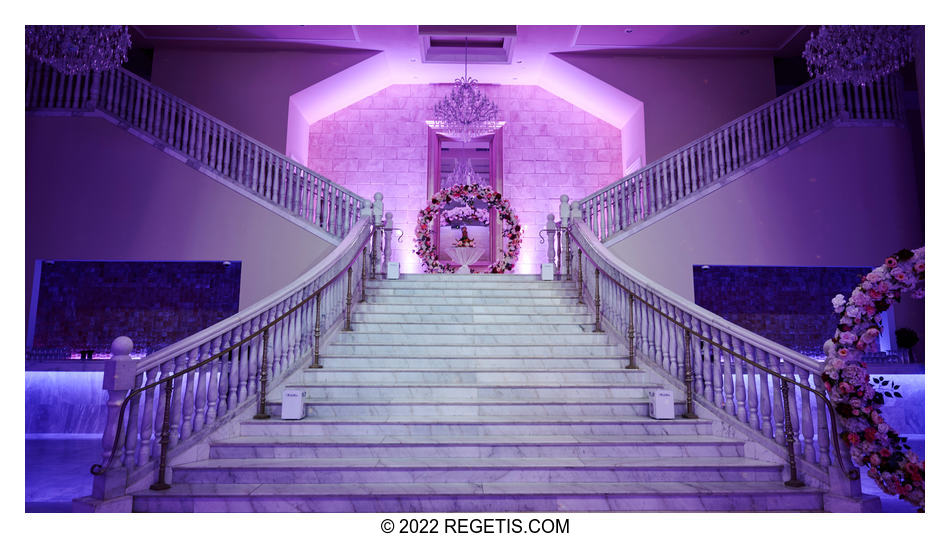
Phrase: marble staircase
pixel 474 393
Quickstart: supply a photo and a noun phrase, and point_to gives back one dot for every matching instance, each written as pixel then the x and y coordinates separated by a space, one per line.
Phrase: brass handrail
pixel 98 469
pixel 688 332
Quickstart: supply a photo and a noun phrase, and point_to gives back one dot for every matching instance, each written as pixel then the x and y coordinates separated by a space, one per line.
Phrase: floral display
pixel 465 240
pixel 469 194
pixel 463 214
pixel 856 399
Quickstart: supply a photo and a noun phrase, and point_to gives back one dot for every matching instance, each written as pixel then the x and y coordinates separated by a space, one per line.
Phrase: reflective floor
pixel 57 471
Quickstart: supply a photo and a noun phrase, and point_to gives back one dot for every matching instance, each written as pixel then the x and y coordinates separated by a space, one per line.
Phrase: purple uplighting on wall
pixel 550 148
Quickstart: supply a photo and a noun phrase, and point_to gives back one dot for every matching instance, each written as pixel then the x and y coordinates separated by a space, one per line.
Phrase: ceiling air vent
pixel 486 44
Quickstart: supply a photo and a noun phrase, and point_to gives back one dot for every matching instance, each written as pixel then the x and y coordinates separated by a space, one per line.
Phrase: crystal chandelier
pixel 74 50
pixel 858 54
pixel 463 174
pixel 466 113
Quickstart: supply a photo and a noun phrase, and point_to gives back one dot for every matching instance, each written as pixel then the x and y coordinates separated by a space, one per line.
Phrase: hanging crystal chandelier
pixel 858 54
pixel 74 50
pixel 466 112
pixel 463 174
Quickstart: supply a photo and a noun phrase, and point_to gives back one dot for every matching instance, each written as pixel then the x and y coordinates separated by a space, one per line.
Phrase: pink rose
pixel 859 298
pixel 847 337
pixel 874 276
pixel 919 267
pixel 891 261
pixel 875 460
pixel 870 335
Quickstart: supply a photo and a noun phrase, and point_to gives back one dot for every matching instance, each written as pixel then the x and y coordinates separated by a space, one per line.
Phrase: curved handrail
pixel 323 272
pixel 216 145
pixel 583 237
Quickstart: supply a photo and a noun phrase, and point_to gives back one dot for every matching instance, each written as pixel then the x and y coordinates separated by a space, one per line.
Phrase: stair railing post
pixel 688 373
pixel 349 298
pixel 117 380
pixel 631 335
pixel 377 212
pixel 93 101
pixel 387 240
pixel 316 333
pixel 550 229
pixel 363 275
pixel 793 481
pixel 262 391
pixel 160 484
pixel 580 277
pixel 840 103
pixel 597 327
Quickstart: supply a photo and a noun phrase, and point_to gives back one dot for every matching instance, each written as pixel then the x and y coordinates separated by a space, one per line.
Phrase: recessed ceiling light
pixel 412 60
pixel 519 61
pixel 744 31
pixel 628 30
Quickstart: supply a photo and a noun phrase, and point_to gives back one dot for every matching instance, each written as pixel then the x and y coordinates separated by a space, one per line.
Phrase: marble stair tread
pixel 653 463
pixel 467 385
pixel 492 440
pixel 605 400
pixel 473 370
pixel 482 419
pixel 497 488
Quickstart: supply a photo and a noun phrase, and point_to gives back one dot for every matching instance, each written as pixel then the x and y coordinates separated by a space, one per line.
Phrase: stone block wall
pixel 550 147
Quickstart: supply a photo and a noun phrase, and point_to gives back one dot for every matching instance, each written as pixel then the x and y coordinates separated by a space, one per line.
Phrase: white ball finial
pixel 122 346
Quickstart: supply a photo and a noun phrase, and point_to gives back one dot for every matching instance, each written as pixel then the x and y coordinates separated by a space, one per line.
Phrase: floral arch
pixel 891 463
pixel 511 229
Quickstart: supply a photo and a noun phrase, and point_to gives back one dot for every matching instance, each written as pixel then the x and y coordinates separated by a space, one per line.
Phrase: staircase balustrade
pixel 653 189
pixel 185 391
pixel 200 138
pixel 770 392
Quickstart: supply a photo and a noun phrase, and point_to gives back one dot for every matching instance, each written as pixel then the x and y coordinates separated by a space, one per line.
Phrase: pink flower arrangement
pixel 891 464
pixel 511 229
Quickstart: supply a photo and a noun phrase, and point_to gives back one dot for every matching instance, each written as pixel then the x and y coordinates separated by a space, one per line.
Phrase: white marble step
pixel 519 291
pixel 461 391
pixel 469 279
pixel 328 375
pixel 374 316
pixel 546 328
pixel 471 309
pixel 335 359
pixel 481 497
pixel 434 349
pixel 527 337
pixel 466 426
pixel 486 446
pixel 477 282
pixel 488 301
pixel 384 407
pixel 462 470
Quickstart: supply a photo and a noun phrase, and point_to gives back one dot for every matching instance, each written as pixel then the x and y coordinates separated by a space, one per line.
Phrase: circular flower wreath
pixel 511 229
pixel 891 463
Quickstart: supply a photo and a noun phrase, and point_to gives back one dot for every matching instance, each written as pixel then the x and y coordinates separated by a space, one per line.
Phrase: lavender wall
pixel 550 147
pixel 845 198
pixel 249 90
pixel 683 97
pixel 95 192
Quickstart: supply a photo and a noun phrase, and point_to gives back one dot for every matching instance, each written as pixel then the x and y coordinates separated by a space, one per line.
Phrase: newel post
pixel 118 379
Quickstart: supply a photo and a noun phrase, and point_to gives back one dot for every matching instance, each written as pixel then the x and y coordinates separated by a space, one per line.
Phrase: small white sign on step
pixel 392 270
pixel 661 404
pixel 292 406
pixel 547 271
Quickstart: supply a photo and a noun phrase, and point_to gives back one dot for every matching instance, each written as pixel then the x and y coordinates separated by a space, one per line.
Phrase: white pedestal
pixel 291 405
pixel 661 404
pixel 547 271
pixel 392 271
